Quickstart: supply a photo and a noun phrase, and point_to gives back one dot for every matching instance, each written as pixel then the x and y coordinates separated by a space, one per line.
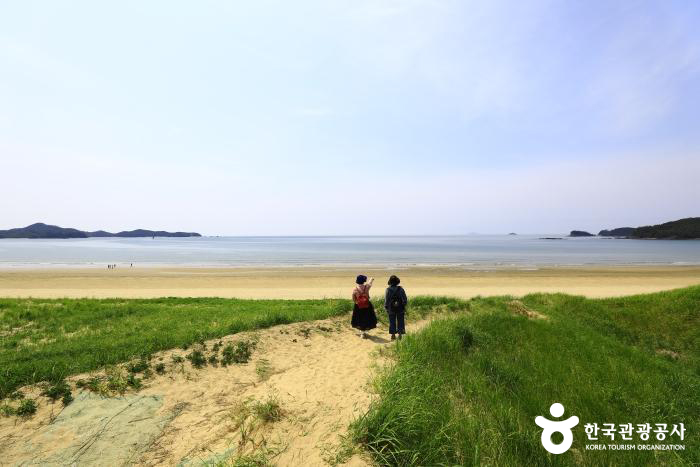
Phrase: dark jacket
pixel 391 292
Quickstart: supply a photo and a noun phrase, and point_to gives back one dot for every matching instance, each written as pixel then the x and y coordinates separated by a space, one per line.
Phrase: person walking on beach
pixel 395 302
pixel 363 316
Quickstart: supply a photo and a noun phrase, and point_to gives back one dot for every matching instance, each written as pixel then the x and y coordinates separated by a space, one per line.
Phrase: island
pixel 618 232
pixel 580 233
pixel 682 229
pixel 41 230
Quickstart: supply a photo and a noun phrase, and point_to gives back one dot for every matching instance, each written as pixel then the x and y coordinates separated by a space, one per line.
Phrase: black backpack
pixel 395 301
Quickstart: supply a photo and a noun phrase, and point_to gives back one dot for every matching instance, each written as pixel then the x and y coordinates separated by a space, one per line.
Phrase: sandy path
pixel 319 372
pixel 317 282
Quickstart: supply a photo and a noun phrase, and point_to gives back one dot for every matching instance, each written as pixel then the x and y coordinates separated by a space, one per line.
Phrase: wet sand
pixel 320 282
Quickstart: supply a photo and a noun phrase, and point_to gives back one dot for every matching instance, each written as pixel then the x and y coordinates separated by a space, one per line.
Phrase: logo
pixel 549 427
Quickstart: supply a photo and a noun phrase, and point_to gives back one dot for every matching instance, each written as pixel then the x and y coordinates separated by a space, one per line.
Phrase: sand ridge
pixel 319 372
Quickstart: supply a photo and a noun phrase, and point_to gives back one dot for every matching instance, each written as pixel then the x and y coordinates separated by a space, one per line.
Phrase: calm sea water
pixel 472 251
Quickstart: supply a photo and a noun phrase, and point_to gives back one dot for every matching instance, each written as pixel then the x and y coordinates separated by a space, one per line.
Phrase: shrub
pixel 26 408
pixel 138 367
pixel 57 391
pixel 196 357
pixel 133 381
pixel 240 353
pixel 67 398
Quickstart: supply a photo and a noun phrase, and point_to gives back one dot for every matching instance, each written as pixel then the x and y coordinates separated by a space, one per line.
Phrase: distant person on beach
pixel 395 302
pixel 363 316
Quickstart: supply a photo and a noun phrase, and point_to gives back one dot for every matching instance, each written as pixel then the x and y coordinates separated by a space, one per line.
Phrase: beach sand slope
pixel 318 372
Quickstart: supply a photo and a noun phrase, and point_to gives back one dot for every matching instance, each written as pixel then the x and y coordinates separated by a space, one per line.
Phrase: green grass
pixel 268 411
pixel 47 340
pixel 60 390
pixel 466 389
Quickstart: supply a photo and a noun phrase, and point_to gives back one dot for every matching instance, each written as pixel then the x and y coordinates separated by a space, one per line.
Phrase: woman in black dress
pixel 363 316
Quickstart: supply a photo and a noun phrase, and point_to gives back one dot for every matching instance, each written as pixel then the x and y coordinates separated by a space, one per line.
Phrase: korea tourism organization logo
pixel 549 427
pixel 626 441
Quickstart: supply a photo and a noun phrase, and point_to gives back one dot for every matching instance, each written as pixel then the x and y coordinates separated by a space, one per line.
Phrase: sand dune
pixel 319 372
pixel 315 282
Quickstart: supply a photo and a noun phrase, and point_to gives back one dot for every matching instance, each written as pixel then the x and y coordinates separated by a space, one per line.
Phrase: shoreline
pixel 313 282
pixel 470 266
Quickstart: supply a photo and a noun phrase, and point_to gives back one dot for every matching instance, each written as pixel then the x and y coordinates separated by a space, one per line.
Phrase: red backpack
pixel 362 300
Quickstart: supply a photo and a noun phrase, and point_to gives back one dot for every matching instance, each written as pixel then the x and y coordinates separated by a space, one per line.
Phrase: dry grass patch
pixel 519 308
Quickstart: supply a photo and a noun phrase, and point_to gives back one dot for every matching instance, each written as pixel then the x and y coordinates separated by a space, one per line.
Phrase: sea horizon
pixel 468 251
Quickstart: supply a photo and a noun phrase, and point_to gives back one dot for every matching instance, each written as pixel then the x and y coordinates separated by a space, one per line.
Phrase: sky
pixel 349 117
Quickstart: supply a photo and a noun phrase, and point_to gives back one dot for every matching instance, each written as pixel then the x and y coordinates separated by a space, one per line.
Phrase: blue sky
pixel 349 117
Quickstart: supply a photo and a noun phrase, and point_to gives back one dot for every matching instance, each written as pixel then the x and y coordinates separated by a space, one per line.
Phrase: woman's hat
pixel 361 279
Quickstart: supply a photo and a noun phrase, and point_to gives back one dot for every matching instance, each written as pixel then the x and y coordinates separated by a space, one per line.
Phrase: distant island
pixel 618 232
pixel 682 229
pixel 40 230
pixel 580 233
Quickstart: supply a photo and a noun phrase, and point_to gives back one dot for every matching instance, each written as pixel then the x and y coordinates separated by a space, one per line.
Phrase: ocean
pixel 469 251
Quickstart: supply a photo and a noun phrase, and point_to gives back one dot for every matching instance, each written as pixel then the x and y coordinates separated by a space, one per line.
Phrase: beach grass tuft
pixel 263 368
pixel 269 410
pixel 59 390
pixel 26 408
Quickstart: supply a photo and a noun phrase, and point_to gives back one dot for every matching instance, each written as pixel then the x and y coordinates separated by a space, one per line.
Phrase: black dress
pixel 364 319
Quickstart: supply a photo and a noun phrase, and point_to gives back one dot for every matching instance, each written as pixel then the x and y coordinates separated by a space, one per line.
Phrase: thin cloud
pixel 642 74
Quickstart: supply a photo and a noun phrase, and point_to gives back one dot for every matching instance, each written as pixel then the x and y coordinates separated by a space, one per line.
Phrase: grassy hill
pixel 466 390
pixel 49 339
pixel 681 229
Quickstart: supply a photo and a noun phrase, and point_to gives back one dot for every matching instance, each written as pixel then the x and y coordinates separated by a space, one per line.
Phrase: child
pixel 395 302
pixel 363 316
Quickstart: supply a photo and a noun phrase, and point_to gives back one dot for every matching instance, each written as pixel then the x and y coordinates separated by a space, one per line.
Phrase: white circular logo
pixel 550 426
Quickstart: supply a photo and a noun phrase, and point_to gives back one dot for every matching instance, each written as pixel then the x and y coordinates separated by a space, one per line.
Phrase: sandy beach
pixel 318 282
